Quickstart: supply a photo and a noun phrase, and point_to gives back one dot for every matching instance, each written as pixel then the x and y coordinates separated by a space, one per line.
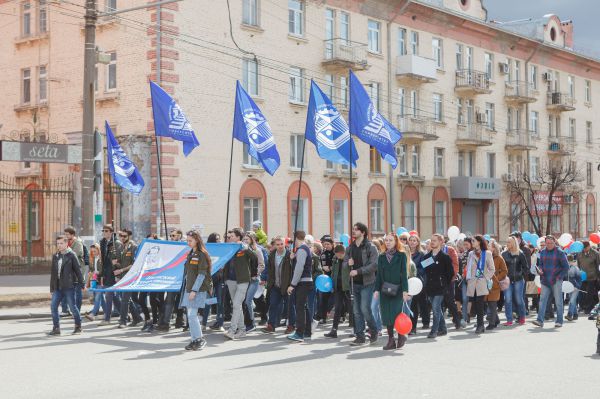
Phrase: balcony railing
pixel 470 81
pixel 520 139
pixel 473 134
pixel 561 145
pixel 417 129
pixel 344 53
pixel 559 101
pixel 520 92
pixel 416 68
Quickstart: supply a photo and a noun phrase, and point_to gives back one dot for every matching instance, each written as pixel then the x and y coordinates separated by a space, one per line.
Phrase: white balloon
pixel 567 287
pixel 565 239
pixel 259 291
pixel 415 285
pixel 540 241
pixel 537 281
pixel 453 233
pixel 462 236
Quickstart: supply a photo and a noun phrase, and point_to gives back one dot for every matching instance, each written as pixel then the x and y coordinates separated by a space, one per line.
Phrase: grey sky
pixel 584 14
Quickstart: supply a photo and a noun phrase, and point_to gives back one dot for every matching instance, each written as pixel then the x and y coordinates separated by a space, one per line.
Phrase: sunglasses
pixel 123 235
pixel 106 231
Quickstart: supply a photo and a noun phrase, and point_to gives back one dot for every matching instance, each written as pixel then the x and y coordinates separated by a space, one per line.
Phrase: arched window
pixel 441 210
pixel 590 210
pixel 253 204
pixel 377 201
pixel 304 207
pixel 410 208
pixel 339 210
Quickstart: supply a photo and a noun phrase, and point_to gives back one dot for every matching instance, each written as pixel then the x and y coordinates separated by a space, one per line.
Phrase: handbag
pixel 531 288
pixel 389 289
pixel 504 283
pixel 490 284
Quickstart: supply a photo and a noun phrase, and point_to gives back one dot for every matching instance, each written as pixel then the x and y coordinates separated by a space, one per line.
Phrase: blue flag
pixel 122 170
pixel 369 125
pixel 251 127
pixel 327 129
pixel 170 121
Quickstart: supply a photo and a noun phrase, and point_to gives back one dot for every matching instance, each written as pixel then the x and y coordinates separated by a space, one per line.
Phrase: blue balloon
pixel 583 276
pixel 345 239
pixel 526 236
pixel 487 237
pixel 533 239
pixel 324 283
pixel 401 230
pixel 576 247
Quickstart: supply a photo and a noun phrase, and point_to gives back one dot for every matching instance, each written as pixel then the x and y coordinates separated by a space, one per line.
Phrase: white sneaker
pixel 239 334
pixel 104 323
pixel 229 335
pixel 203 328
pixel 558 325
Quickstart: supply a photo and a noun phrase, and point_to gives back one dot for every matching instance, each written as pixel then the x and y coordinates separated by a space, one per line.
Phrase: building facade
pixel 478 103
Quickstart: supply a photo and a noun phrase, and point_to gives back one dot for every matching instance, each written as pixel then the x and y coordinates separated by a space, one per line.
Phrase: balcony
pixel 341 53
pixel 560 102
pixel 31 38
pixel 33 107
pixel 416 129
pixel 470 82
pixel 520 92
pixel 561 145
pixel 405 178
pixel 473 135
pixel 412 68
pixel 520 140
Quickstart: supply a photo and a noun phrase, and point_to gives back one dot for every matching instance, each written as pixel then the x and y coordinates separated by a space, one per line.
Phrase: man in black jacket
pixel 65 273
pixel 439 270
pixel 110 250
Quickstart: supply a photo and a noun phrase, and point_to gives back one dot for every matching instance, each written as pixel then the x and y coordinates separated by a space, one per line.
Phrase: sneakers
pixel 135 322
pixel 537 323
pixel 250 328
pixel 295 337
pixel 507 324
pixel 442 333
pixel 89 316
pixel 77 330
pixel 162 328
pixel 104 323
pixel 55 331
pixel 196 345
pixel 331 334
pixel 289 329
pixel 569 317
pixel 268 329
pixel 432 335
pixel 239 334
pixel 480 330
pixel 229 335
pixel 358 341
pixel 521 321
pixel 216 327
pixel 373 336
pixel 122 325
pixel 203 328
pixel 557 325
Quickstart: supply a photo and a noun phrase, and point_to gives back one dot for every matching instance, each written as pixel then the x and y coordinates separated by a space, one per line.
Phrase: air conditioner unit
pixel 548 76
pixel 503 67
pixel 480 117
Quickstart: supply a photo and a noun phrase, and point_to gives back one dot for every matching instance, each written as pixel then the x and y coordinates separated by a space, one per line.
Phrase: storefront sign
pixel 39 152
pixel 542 204
pixel 198 195
pixel 475 187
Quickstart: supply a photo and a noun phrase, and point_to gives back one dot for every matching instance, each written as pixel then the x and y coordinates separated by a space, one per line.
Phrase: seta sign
pixel 541 203
pixel 39 152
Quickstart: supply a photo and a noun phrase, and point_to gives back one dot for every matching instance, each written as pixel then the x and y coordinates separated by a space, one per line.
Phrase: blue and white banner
pixel 159 265
pixel 327 129
pixel 123 171
pixel 170 121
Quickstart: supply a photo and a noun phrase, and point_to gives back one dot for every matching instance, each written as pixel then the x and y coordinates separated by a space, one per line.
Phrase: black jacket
pixel 439 273
pixel 516 264
pixel 70 271
pixel 110 252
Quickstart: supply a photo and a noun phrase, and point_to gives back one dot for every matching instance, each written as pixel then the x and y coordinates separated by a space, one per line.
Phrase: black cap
pixel 516 233
pixel 327 238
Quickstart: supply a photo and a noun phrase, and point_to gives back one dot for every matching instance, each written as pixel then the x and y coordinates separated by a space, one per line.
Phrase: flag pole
pixel 162 199
pixel 228 189
pixel 350 227
pixel 298 197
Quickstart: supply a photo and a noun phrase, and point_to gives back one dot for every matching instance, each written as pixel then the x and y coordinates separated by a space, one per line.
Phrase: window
pixel 376 208
pixel 509 75
pixel 296 94
pixel 410 215
pixel 329 86
pixel 574 219
pixel 589 176
pixel 438 52
pixel 461 163
pixel 402 102
pixel 459 111
pixel 42 16
pixel 111 72
pixel 517 119
pixel 533 122
pixel 414 42
pixel 571 85
pixel 555 223
pixel 491 219
pixel 588 91
pixel 302 213
pixel 26 19
pixel 401 41
pixel 296 144
pixel 533 76
pixel 414 102
pixel 489 65
pixel 250 12
pixel 517 70
pixel 534 164
pixel 35 220
pixel 469 58
pixel 515 217
pixel 437 107
pixel 550 126
pixel 329 31
pixel 344 91
pixel 252 211
pixel 491 164
pixel 249 161
pixel 402 160
pixel 415 160
pixel 26 83
pixel 588 132
pixel 470 164
pixel 345 26
pixel 296 17
pixel 509 119
pixel 557 127
pixel 340 218
pixel 572 127
pixel 42 84
pixel 439 162
pixel 250 77
pixel 374 36
pixel 440 217
pixel 590 216
pixel 331 166
pixel 110 5
pixel 490 116
pixel 375 160
pixel 374 89
pixel 459 56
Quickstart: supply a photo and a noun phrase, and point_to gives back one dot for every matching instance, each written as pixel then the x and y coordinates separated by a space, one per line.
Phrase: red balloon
pixel 403 324
pixel 595 238
pixel 569 244
pixel 539 290
pixel 413 233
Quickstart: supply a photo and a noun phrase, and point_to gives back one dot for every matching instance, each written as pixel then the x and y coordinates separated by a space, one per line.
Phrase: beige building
pixel 478 103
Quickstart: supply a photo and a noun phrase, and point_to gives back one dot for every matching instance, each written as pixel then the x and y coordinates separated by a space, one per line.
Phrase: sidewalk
pixel 24 296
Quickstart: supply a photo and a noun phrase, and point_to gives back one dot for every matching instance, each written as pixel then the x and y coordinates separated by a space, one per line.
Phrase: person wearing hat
pixel 588 261
pixel 325 298
pixel 261 236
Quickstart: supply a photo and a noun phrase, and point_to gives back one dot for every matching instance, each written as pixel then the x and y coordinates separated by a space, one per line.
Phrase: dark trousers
pixel 303 322
pixel 143 302
pixel 171 301
pixel 450 304
pixel 493 313
pixel 589 300
pixel 157 300
pixel 479 309
pixel 342 304
pixel 598 343
pixel 324 304
pixel 129 300
pixel 420 305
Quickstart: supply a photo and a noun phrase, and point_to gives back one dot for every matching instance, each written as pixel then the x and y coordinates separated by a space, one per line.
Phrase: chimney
pixel 567 28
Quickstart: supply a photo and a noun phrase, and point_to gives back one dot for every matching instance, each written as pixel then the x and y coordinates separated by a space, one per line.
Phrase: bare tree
pixel 537 196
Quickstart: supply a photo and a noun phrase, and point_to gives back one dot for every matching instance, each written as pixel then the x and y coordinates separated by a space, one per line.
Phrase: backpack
pixel 86 255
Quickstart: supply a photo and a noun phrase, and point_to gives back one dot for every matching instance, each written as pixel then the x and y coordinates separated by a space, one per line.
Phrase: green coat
pixel 395 273
pixel 338 267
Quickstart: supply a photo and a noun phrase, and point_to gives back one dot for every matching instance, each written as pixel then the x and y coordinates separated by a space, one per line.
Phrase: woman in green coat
pixel 392 272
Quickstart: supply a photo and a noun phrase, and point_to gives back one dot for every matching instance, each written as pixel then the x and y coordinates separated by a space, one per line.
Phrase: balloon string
pixel 408 307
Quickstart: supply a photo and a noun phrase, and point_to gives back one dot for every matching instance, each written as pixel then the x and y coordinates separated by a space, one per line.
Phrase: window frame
pixel 26 86
pixel 440 217
pixel 26 20
pixel 402 41
pixel 376 211
pixel 296 18
pixel 438 164
pixel 251 12
pixel 296 144
pixel 252 208
pixel 374 33
pixel 247 74
pixel 111 68
pixel 296 94
pixel 438 107
pixel 42 83
pixel 488 60
pixel 437 49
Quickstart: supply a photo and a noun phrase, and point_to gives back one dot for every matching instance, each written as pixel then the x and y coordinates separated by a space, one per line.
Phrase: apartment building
pixel 478 103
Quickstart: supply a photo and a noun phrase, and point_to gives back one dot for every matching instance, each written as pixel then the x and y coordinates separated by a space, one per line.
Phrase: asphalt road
pixel 104 362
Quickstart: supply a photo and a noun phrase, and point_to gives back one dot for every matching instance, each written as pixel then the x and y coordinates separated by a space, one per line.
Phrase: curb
pixel 25 316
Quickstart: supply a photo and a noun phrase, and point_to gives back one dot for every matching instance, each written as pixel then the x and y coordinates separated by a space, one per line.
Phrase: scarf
pixel 389 254
pixel 480 264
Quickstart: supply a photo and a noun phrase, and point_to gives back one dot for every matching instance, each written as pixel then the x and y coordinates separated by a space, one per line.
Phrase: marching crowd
pixel 376 285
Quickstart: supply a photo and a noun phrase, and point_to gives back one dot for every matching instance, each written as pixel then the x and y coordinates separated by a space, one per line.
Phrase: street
pixel 107 362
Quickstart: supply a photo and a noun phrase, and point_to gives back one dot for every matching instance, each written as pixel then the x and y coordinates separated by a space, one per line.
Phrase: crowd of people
pixel 274 284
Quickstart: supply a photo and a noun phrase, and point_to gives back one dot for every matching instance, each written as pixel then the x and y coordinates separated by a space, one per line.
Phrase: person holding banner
pixel 129 300
pixel 279 276
pixel 197 284
pixel 111 250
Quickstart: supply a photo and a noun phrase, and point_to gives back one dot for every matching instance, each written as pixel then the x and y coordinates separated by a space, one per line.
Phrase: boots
pixel 77 330
pixel 55 331
pixel 331 334
pixel 480 329
pixel 391 344
pixel 401 341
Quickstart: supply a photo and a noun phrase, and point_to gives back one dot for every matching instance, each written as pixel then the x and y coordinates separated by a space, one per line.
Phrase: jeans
pixel 57 297
pixel 129 301
pixel 275 306
pixel 439 324
pixel 78 298
pixel 194 322
pixel 556 289
pixel 325 299
pixel 376 313
pixel 363 295
pixel 289 302
pixel 451 303
pixel 573 302
pixel 465 301
pixel 98 301
pixel 219 294
pixel 589 300
pixel 514 291
pixel 252 288
pixel 238 295
pixel 109 297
